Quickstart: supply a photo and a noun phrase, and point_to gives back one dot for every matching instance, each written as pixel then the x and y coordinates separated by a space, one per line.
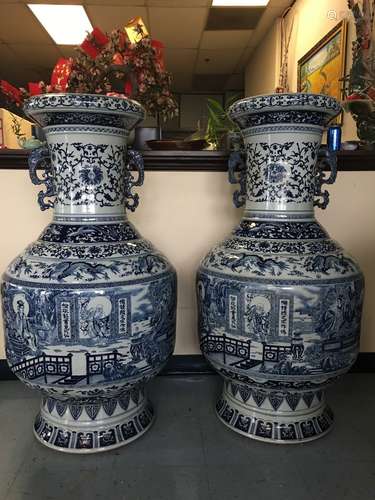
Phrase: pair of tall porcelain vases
pixel 90 307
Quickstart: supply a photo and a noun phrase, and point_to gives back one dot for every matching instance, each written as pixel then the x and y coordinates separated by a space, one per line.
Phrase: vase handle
pixel 40 158
pixel 237 175
pixel 135 162
pixel 326 159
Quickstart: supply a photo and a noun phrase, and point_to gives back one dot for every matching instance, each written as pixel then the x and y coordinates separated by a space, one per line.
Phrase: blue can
pixel 334 138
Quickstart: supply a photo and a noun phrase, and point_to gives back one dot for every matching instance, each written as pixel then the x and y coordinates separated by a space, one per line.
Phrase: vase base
pixel 274 426
pixel 98 435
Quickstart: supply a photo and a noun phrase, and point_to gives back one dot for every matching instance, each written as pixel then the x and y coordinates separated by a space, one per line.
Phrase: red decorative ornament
pixel 34 88
pixel 94 43
pixel 128 88
pixel 354 97
pixel 100 38
pixel 10 91
pixel 61 73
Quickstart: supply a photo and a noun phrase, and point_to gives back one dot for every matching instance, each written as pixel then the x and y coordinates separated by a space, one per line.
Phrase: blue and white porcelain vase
pixel 90 307
pixel 279 301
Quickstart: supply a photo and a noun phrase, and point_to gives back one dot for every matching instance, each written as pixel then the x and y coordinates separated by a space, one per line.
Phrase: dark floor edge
pixel 195 364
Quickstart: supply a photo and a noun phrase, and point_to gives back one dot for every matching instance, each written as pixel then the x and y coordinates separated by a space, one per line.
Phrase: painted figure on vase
pixel 90 307
pixel 279 302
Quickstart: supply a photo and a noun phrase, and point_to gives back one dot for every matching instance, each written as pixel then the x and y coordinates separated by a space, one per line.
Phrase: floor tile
pixel 190 455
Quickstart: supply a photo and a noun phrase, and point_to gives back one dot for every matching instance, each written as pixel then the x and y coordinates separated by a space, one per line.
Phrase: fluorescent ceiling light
pixel 239 3
pixel 66 24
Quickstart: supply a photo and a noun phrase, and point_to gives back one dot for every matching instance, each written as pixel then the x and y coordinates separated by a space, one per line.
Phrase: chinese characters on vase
pixel 90 307
pixel 280 302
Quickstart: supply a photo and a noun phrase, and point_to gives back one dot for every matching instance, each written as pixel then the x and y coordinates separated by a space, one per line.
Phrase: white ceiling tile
pixel 110 17
pixel 279 3
pixel 7 58
pixel 127 3
pixel 19 77
pixel 178 27
pixel 19 25
pixel 235 82
pixel 182 82
pixel 42 56
pixel 225 39
pixel 265 23
pixel 178 3
pixel 74 2
pixel 243 60
pixel 217 61
pixel 180 60
pixel 68 50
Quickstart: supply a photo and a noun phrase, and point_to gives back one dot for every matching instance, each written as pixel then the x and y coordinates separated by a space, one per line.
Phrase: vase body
pixel 279 301
pixel 89 308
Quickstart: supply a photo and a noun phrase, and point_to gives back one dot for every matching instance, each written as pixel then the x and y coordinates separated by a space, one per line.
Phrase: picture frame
pixel 321 69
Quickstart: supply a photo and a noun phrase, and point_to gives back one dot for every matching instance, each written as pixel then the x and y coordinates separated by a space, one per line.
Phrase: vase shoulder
pixel 86 255
pixel 90 306
pixel 299 252
pixel 280 305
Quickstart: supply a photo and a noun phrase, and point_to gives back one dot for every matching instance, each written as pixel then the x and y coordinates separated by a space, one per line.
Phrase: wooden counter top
pixel 190 161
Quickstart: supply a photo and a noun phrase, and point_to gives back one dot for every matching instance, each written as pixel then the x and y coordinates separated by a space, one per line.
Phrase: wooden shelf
pixel 190 161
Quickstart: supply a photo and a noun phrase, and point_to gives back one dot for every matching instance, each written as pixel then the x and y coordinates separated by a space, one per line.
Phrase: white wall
pixel 350 217
pixel 184 214
pixel 261 75
pixel 312 20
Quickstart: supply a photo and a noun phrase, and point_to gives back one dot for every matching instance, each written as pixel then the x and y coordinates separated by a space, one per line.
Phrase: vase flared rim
pixel 298 101
pixel 83 102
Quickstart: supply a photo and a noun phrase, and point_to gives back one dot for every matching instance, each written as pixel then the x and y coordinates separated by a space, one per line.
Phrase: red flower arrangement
pixel 112 65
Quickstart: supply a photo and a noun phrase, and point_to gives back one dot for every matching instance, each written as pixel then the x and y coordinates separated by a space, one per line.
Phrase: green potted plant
pixel 219 125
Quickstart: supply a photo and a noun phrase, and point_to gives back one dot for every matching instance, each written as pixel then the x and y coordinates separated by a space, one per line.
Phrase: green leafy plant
pixel 219 124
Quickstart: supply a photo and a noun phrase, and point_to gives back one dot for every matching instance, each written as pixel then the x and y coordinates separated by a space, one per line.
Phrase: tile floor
pixel 189 455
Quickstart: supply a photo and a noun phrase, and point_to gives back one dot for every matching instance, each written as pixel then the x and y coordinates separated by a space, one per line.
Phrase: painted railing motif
pixel 44 365
pixel 241 349
pixel 226 346
pixel 272 353
pixel 97 363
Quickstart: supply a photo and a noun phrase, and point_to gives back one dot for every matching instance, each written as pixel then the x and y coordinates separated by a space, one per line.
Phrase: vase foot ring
pixel 274 427
pixel 96 437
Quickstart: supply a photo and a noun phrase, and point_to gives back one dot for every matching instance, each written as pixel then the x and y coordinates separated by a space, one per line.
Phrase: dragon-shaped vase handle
pixel 40 158
pixel 326 159
pixel 237 173
pixel 134 160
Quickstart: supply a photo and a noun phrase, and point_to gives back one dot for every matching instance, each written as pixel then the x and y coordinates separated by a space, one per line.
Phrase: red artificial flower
pixel 61 73
pixel 354 97
pixel 94 43
pixel 10 91
pixel 100 38
pixel 128 88
pixel 34 88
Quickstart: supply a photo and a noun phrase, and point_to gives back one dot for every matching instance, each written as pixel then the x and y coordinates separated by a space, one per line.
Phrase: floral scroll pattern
pixel 278 171
pixel 89 171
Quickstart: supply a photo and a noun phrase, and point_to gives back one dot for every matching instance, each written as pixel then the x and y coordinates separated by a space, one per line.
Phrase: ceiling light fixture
pixel 239 3
pixel 66 24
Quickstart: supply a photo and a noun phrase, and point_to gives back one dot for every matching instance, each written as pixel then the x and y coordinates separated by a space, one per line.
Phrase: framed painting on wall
pixel 320 70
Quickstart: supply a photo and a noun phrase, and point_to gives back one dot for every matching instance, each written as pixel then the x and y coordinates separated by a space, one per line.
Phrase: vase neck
pixel 89 170
pixel 281 170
